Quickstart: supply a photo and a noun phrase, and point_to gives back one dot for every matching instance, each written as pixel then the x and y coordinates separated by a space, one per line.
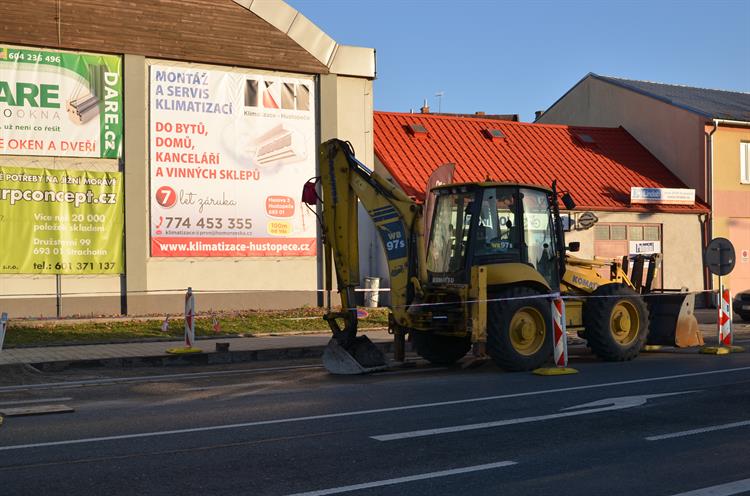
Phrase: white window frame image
pixel 745 162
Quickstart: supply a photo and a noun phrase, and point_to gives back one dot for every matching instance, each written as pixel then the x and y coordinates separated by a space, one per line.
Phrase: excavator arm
pixel 345 182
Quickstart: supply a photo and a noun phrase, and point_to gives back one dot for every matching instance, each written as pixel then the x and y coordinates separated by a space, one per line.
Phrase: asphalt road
pixel 664 424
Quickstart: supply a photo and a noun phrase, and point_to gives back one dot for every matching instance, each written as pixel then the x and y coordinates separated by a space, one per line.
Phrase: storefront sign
pixel 586 220
pixel 230 152
pixel 645 247
pixel 60 221
pixel 662 196
pixel 60 104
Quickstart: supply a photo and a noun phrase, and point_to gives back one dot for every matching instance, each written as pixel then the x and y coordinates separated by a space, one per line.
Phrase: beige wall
pixel 672 135
pixel 346 113
pixel 682 260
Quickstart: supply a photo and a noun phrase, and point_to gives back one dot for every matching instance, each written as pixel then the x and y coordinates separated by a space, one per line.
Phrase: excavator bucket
pixel 359 358
pixel 673 321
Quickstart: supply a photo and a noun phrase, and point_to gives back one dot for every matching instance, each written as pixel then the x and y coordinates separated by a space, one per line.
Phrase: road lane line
pixel 402 480
pixel 728 489
pixel 373 411
pixel 699 431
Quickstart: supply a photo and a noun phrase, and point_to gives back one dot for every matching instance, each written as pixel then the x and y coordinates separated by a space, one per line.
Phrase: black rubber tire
pixel 440 350
pixel 499 317
pixel 597 318
pixel 745 316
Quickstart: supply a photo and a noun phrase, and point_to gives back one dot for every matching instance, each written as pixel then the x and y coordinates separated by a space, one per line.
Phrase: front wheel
pixel 616 322
pixel 519 336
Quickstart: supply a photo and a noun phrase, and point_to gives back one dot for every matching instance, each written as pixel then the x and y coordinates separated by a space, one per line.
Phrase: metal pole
pixel 58 294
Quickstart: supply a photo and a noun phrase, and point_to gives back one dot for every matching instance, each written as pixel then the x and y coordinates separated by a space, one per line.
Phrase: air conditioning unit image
pixel 83 108
pixel 280 143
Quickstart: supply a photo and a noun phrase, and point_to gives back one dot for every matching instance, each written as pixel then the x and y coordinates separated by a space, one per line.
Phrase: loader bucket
pixel 673 321
pixel 359 358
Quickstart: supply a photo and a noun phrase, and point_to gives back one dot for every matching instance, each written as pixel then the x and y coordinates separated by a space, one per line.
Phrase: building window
pixel 745 162
pixel 601 233
pixel 618 233
pixel 635 233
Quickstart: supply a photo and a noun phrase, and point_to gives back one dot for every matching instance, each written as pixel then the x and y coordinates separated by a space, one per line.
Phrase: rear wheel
pixel 616 322
pixel 518 332
pixel 745 316
pixel 440 350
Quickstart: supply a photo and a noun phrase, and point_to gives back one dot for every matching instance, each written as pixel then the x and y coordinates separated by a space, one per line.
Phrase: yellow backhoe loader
pixel 484 279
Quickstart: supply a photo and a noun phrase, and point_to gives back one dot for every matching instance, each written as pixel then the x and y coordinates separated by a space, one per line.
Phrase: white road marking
pixel 374 411
pixel 699 431
pixel 411 478
pixel 728 489
pixel 24 402
pixel 605 405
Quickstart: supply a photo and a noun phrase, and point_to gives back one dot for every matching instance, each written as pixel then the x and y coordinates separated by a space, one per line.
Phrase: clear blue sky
pixel 515 57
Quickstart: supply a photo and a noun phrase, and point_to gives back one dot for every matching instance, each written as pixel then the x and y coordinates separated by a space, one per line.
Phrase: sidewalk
pixel 155 354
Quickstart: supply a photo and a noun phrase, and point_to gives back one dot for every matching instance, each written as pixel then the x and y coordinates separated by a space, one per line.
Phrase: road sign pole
pixel 719 258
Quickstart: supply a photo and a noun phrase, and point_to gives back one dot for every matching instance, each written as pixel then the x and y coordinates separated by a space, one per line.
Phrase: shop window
pixel 617 233
pixel 635 233
pixel 745 162
pixel 601 233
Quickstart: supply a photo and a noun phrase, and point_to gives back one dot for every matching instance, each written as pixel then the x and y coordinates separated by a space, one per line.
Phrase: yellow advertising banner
pixel 60 221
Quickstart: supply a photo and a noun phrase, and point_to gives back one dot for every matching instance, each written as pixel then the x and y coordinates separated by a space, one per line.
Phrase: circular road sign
pixel 719 256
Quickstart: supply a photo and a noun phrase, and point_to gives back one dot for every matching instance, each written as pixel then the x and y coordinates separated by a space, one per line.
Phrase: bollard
pixel 189 318
pixel 559 341
pixel 724 324
pixel 189 326
pixel 3 327
pixel 725 318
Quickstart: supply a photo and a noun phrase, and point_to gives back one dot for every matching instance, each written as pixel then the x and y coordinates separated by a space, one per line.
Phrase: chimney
pixel 425 109
pixel 479 113
pixel 538 114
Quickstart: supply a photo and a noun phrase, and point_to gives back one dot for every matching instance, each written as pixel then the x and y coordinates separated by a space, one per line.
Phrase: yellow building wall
pixel 731 206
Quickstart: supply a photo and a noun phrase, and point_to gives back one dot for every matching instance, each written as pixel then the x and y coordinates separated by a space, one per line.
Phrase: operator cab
pixel 492 223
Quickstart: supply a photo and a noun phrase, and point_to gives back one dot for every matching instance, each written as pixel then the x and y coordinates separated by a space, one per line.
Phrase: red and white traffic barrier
pixel 189 318
pixel 558 333
pixel 726 337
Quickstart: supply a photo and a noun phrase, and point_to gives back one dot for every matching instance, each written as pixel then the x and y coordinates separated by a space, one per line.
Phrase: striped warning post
pixel 560 342
pixel 724 323
pixel 558 333
pixel 726 336
pixel 189 326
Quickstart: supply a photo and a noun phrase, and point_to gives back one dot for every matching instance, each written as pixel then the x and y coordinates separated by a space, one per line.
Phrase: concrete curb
pixel 203 358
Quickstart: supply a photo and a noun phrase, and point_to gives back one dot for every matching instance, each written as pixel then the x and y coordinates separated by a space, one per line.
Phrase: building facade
pixel 202 117
pixel 700 135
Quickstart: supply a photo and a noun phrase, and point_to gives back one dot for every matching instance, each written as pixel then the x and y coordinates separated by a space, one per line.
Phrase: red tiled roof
pixel 598 175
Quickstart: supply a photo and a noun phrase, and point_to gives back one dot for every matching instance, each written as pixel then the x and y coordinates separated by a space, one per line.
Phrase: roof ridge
pixel 670 84
pixel 492 121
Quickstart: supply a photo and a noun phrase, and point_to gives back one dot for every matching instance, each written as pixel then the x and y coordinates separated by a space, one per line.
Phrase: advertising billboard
pixel 60 221
pixel 60 104
pixel 229 153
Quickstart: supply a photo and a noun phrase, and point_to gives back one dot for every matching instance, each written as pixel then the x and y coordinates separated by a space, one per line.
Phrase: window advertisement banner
pixel 60 221
pixel 229 154
pixel 60 104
